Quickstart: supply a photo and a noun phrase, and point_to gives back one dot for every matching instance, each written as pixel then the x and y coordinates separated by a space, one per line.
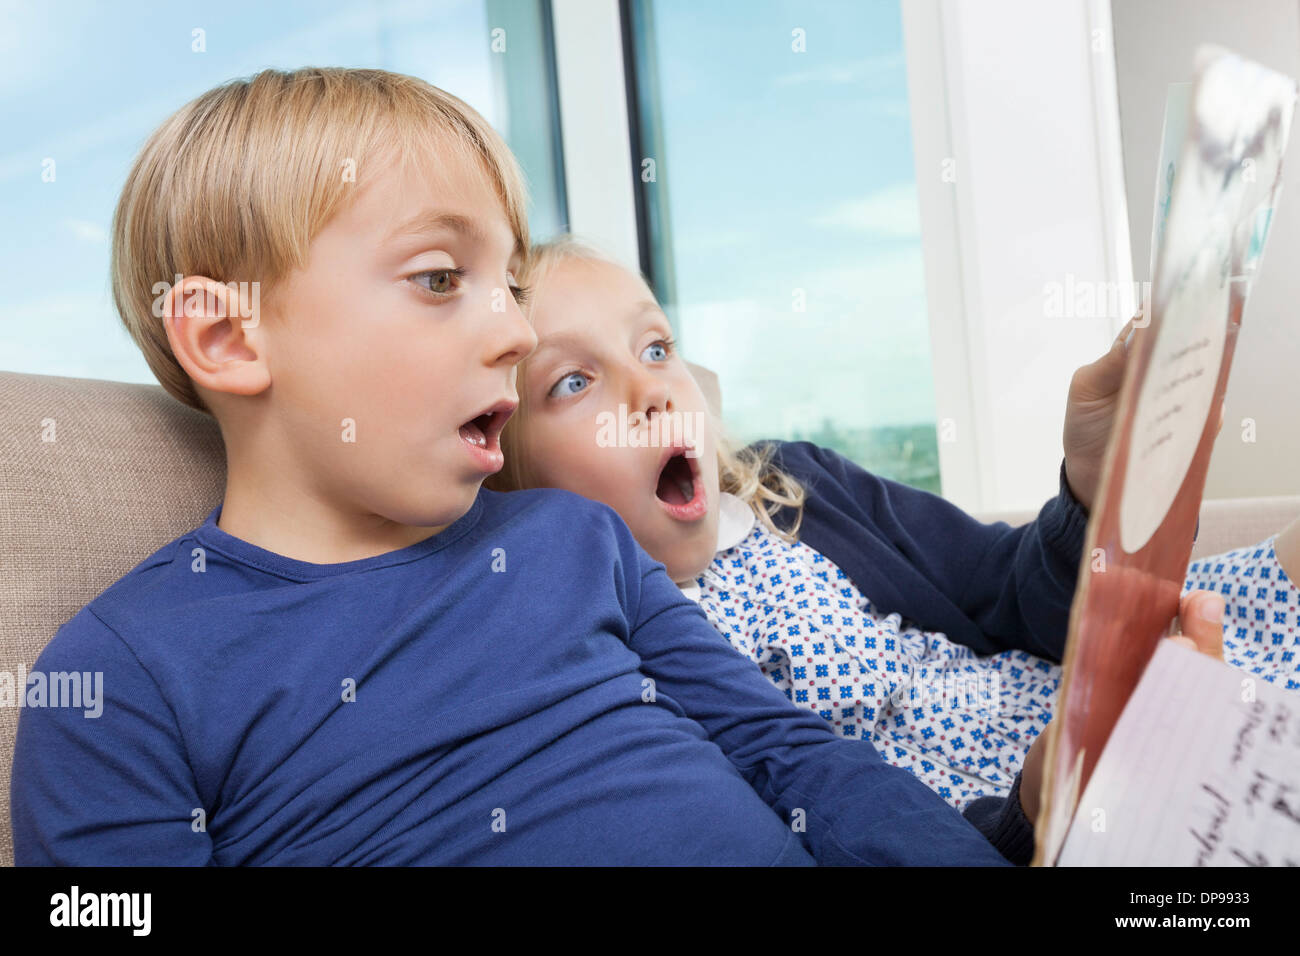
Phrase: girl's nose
pixel 652 396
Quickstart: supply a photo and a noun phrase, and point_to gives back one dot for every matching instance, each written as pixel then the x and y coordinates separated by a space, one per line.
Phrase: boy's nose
pixel 514 340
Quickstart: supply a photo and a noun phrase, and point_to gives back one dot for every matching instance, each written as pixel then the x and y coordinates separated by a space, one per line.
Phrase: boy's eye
pixel 439 281
pixel 519 292
pixel 571 384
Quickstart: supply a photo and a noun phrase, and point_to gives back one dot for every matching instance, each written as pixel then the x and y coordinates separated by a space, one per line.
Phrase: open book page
pixel 1145 513
pixel 1203 769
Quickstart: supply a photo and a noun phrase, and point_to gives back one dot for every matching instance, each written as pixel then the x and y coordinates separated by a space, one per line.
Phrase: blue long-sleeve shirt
pixel 527 686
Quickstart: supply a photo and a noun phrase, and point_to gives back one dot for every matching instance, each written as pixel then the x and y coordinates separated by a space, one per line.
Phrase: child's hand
pixel 1090 413
pixel 1201 615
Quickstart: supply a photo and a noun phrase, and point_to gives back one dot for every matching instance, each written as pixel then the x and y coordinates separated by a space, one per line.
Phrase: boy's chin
pixel 447 507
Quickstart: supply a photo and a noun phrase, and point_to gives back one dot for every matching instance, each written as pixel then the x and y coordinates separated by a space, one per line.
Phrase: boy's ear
pixel 213 329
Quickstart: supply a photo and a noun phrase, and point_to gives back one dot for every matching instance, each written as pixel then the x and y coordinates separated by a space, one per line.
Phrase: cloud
pixel 86 230
pixel 70 333
pixel 699 242
pixel 844 74
pixel 33 56
pixel 889 213
pixel 20 56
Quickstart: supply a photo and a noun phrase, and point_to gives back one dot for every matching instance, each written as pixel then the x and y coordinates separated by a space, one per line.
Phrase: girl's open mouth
pixel 679 489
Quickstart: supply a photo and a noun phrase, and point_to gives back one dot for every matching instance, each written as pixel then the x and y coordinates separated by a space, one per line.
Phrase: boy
pixel 361 657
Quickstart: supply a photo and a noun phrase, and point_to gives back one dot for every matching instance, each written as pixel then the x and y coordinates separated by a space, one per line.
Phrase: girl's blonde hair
pixel 746 472
pixel 237 183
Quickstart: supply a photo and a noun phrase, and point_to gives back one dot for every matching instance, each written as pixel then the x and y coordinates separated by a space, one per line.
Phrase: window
pixel 780 227
pixel 88 97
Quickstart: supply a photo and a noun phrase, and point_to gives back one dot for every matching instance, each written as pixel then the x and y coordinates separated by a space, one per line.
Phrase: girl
pixel 887 610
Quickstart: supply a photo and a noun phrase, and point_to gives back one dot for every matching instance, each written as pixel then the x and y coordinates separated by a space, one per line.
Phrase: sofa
pixel 97 475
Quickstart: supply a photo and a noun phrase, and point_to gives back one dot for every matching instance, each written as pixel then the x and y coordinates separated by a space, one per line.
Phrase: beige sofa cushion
pixel 97 475
pixel 128 469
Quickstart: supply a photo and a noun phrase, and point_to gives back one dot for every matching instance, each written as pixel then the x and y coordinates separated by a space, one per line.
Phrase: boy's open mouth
pixel 482 433
pixel 679 488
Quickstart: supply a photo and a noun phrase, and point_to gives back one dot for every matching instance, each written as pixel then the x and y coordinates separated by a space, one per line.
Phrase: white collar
pixel 735 520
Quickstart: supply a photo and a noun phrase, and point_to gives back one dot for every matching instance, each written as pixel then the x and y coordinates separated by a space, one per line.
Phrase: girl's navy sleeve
pixel 1004 824
pixel 990 587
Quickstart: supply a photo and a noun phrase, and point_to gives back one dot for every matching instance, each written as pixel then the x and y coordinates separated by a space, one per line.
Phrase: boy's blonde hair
pixel 237 183
pixel 746 472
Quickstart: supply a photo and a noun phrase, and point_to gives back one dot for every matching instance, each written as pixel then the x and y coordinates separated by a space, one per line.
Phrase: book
pixel 1212 226
pixel 1203 769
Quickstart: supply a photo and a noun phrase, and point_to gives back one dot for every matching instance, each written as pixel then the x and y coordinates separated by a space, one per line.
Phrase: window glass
pixel 778 209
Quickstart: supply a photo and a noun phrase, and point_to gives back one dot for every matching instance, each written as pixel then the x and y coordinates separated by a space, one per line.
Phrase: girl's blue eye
pixel 571 384
pixel 658 352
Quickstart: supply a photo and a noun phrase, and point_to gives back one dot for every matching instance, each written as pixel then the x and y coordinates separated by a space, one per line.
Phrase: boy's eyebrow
pixel 431 220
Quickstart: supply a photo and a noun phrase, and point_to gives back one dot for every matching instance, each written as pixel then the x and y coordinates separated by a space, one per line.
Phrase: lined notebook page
pixel 1203 769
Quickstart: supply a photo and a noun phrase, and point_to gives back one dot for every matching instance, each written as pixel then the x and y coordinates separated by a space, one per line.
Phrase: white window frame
pixel 594 129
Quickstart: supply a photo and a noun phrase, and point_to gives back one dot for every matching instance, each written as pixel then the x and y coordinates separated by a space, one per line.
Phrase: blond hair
pixel 237 183
pixel 749 473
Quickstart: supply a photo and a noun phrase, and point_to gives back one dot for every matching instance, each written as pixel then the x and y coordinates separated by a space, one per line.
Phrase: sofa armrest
pixel 1226 523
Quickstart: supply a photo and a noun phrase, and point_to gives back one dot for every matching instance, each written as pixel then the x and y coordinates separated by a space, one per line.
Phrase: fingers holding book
pixel 1200 619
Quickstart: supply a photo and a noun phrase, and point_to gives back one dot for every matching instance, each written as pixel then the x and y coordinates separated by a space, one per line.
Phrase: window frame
pixel 594 128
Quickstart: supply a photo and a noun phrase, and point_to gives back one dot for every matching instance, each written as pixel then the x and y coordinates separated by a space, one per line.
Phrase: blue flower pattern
pixel 960 722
